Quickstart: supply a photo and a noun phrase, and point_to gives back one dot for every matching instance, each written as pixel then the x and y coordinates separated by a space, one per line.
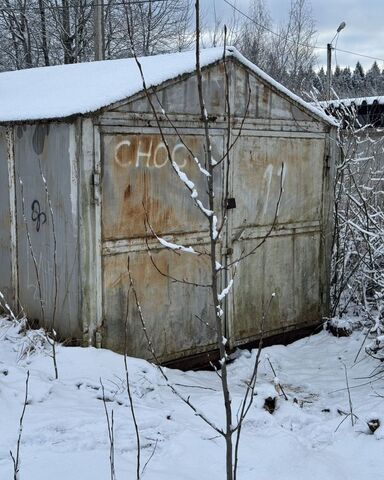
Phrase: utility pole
pixel 329 71
pixel 329 60
pixel 99 29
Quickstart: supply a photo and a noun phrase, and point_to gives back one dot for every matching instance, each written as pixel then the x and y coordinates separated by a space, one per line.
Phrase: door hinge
pixel 96 187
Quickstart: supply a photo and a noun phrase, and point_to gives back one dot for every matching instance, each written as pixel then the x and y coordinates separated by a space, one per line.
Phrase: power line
pixel 268 29
pixel 360 54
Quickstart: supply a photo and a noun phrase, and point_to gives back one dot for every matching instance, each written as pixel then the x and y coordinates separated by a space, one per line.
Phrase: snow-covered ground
pixel 65 430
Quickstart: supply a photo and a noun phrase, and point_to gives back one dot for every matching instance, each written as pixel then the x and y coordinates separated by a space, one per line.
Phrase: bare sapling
pixel 215 211
pixel 52 337
pixel 50 332
pixel 247 400
pixel 351 413
pixel 130 396
pixel 217 295
pixel 276 379
pixel 111 434
pixel 16 459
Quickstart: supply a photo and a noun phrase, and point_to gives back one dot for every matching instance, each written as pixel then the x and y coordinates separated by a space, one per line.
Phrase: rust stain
pixel 156 294
pixel 127 192
pixel 265 96
pixel 139 178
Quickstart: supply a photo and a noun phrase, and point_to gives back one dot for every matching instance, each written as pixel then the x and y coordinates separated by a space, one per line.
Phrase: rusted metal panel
pixel 265 165
pixel 89 199
pixel 332 158
pixel 13 216
pixel 51 144
pixel 126 122
pixel 286 267
pixel 175 314
pixel 182 96
pixel 139 181
pixel 257 99
pixel 288 263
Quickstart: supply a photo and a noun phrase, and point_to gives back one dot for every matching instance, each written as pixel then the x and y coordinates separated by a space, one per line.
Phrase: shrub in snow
pixel 340 327
pixel 376 348
pixel 373 424
pixel 270 404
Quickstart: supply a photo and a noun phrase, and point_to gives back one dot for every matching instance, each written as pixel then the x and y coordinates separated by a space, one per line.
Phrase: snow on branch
pixel 174 246
pixel 225 292
pixel 191 187
pixel 202 170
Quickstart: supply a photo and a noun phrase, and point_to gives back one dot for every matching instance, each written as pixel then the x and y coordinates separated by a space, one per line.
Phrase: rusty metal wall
pixel 280 268
pixel 182 96
pixel 287 264
pixel 174 313
pixel 5 222
pixel 52 145
pixel 138 183
pixel 250 96
pixel 138 179
pixel 293 262
pixel 263 165
pixel 257 99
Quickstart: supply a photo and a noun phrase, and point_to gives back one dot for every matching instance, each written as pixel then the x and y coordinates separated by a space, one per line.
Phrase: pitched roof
pixel 78 89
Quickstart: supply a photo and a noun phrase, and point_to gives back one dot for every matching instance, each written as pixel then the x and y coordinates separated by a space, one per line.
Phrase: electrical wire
pixel 268 29
pixel 360 54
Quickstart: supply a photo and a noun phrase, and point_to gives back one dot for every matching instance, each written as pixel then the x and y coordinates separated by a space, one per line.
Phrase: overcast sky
pixel 363 34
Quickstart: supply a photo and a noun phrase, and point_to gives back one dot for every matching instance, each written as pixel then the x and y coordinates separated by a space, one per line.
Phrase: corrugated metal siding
pixel 51 144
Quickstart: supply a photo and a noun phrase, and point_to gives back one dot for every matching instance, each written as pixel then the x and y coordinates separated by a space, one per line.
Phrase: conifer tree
pixel 358 80
pixel 373 80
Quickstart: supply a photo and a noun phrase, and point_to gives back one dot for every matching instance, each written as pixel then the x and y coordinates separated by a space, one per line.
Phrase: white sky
pixel 364 32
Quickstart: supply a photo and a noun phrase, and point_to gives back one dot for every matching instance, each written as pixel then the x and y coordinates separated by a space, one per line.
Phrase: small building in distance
pixel 361 123
pixel 86 134
pixel 365 111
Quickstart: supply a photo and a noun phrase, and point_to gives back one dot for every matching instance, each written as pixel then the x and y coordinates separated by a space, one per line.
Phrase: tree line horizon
pixel 35 33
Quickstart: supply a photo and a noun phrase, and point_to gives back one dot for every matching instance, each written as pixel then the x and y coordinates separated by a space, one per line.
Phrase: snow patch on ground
pixel 65 432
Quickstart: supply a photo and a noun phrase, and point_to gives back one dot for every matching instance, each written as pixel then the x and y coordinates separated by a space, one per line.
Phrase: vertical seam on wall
pixel 12 212
pixel 324 225
pixel 98 244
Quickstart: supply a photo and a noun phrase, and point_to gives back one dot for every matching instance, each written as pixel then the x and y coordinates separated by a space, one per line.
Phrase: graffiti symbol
pixel 37 215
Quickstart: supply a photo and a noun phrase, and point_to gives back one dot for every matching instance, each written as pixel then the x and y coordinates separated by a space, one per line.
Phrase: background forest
pixel 50 32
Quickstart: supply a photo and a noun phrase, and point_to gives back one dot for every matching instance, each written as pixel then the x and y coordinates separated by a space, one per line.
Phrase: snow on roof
pixel 358 101
pixel 66 90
